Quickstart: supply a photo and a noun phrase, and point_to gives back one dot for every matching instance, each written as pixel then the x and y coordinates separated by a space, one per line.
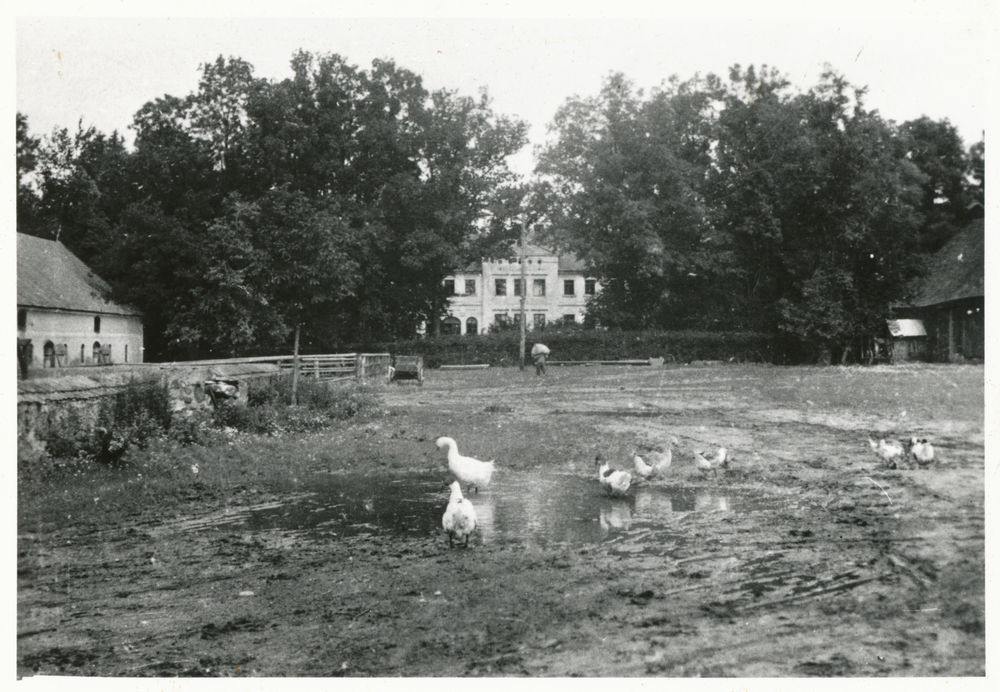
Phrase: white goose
pixel 922 451
pixel 614 482
pixel 459 520
pixel 658 463
pixel 474 473
pixel 642 469
pixel 890 451
pixel 721 460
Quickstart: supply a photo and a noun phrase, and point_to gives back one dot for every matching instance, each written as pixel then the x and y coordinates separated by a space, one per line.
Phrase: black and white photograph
pixel 455 340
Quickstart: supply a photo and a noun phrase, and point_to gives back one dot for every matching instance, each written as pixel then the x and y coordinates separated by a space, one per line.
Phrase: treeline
pixel 745 204
pixel 338 200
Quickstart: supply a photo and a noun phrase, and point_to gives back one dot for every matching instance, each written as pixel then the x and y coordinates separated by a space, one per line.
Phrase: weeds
pixel 133 443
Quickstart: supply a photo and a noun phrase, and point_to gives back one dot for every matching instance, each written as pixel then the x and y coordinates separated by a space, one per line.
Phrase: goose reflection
pixel 616 516
pixel 711 503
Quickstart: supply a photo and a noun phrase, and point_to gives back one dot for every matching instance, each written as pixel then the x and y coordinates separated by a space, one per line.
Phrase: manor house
pixel 489 293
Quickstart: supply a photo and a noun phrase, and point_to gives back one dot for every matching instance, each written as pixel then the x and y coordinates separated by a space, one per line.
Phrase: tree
pixel 815 201
pixel 623 179
pixel 937 150
pixel 83 189
pixel 976 172
pixel 28 199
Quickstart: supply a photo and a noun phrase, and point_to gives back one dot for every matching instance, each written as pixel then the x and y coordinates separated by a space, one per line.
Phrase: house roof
pixel 906 327
pixel 569 262
pixel 957 270
pixel 50 276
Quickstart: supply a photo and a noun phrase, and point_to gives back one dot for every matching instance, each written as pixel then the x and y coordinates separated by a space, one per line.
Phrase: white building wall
pixel 484 305
pixel 75 330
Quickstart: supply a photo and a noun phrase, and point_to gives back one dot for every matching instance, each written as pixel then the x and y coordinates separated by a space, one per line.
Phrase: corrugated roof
pixel 50 276
pixel 957 270
pixel 906 327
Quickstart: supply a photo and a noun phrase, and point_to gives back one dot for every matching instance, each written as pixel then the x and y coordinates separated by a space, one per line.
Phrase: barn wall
pixel 75 331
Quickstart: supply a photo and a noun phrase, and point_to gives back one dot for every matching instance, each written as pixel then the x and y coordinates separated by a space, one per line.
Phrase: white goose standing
pixel 473 472
pixel 890 451
pixel 614 482
pixel 459 520
pixel 721 460
pixel 922 451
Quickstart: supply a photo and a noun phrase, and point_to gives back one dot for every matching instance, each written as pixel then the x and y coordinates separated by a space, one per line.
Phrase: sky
pixel 100 62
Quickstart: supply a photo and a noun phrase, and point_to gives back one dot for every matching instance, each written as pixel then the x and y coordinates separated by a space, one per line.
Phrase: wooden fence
pixel 334 366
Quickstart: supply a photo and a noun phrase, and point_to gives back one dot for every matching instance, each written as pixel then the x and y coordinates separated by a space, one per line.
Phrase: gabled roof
pixel 50 276
pixel 957 270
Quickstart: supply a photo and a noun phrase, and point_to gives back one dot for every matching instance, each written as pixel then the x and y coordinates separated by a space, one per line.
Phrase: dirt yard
pixel 806 557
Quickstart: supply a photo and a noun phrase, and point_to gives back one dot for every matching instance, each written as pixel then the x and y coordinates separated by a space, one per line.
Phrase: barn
pixel 951 298
pixel 64 315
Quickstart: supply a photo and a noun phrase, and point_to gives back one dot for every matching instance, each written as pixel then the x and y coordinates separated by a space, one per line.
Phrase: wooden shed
pixel 907 340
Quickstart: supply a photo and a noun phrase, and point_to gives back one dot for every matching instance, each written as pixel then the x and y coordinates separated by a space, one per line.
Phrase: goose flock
pixel 459 520
pixel 919 452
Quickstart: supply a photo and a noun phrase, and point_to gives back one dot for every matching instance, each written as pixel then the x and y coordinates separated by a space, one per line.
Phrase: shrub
pixel 569 343
pixel 320 403
pixel 138 412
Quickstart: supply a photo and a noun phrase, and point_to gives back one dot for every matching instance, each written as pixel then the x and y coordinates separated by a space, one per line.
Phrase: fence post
pixel 295 369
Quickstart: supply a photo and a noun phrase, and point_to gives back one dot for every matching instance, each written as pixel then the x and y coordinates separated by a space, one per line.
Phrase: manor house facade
pixel 489 293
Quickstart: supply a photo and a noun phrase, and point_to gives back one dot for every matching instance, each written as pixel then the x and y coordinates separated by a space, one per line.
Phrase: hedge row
pixel 503 348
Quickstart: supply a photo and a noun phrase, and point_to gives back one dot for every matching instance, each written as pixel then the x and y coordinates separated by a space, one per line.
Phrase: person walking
pixel 538 352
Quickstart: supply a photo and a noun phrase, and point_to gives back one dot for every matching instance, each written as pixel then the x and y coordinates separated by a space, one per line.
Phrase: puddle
pixel 526 508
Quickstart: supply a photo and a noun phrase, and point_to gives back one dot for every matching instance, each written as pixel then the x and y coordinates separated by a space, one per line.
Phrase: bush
pixel 138 412
pixel 569 343
pixel 268 412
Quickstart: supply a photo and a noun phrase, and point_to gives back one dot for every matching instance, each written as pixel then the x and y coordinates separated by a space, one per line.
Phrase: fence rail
pixel 332 366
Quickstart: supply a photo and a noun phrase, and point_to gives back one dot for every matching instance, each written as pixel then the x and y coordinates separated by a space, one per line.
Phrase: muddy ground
pixel 807 557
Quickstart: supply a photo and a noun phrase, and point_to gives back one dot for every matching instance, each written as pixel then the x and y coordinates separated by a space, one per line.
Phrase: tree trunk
pixel 295 369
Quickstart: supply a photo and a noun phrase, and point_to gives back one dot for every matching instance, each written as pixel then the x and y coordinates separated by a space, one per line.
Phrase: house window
pixel 517 287
pixel 49 355
pixel 470 287
pixel 590 286
pixel 97 324
pixel 501 288
pixel 501 320
pixel 83 354
pixel 449 287
pixel 569 319
pixel 22 320
pixel 451 326
pixel 569 287
pixel 472 326
pixel 126 353
pixel 539 321
pixel 538 290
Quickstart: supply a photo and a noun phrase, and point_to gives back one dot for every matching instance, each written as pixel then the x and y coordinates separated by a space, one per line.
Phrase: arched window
pixel 83 355
pixel 471 326
pixel 126 353
pixel 22 320
pixel 97 324
pixel 451 325
pixel 97 352
pixel 49 355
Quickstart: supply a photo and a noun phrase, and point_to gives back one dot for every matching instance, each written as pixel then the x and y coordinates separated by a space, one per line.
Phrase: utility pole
pixel 524 285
